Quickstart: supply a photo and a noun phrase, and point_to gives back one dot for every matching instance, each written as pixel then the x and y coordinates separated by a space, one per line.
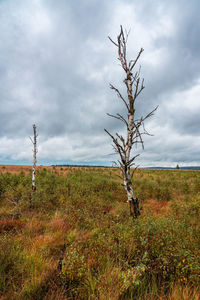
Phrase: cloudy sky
pixel 56 64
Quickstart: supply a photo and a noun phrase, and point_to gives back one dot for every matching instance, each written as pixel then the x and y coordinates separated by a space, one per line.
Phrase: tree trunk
pixel 34 158
pixel 133 201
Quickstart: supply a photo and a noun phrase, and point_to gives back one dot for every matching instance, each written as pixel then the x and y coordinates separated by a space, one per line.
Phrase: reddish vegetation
pixel 157 207
pixel 10 225
pixel 16 169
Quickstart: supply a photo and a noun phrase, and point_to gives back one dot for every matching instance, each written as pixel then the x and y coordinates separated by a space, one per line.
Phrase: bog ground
pixel 74 239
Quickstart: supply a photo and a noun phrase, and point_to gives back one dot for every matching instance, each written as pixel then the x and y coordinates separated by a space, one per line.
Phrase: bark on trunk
pixel 133 201
pixel 34 158
pixel 131 198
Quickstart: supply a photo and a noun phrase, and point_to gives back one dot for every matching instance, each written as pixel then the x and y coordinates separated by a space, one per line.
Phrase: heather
pixel 74 239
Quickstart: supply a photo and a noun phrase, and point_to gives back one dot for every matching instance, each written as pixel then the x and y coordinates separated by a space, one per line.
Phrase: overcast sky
pixel 56 64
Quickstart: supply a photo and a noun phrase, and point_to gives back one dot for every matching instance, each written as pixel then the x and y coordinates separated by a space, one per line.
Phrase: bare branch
pixel 135 169
pixel 109 134
pixel 135 61
pixel 132 159
pixel 113 41
pixel 31 140
pixel 121 139
pixel 113 116
pixel 122 119
pixel 150 114
pixel 127 35
pixel 141 88
pixel 119 95
pixel 119 148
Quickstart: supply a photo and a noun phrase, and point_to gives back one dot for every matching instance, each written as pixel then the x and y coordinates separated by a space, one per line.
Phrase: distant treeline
pixel 93 166
pixel 85 166
pixel 181 168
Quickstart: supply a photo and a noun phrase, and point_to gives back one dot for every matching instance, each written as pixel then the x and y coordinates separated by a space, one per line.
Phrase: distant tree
pixel 134 127
pixel 177 167
pixel 34 142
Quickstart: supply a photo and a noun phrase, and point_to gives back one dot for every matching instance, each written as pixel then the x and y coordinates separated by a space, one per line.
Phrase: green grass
pixel 75 240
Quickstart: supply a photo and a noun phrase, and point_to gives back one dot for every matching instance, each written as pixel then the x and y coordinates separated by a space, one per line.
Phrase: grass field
pixel 74 239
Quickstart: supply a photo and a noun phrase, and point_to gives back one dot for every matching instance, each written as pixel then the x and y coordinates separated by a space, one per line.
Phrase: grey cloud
pixel 56 63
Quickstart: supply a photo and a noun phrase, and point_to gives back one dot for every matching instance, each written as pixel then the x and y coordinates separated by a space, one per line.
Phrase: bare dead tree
pixel 34 142
pixel 134 127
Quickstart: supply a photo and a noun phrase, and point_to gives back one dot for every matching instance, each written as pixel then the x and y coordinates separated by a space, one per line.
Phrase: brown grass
pixel 156 207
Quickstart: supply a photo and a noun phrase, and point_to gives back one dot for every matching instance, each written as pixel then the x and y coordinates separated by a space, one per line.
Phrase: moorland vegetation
pixel 76 241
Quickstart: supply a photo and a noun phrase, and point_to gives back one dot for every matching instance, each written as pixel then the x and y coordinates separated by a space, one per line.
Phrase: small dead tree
pixel 34 142
pixel 134 127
